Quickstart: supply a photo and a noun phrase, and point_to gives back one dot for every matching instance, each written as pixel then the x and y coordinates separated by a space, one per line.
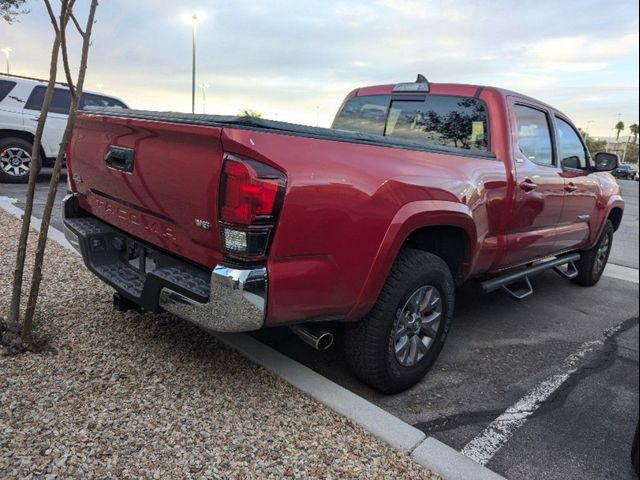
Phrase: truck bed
pixel 285 128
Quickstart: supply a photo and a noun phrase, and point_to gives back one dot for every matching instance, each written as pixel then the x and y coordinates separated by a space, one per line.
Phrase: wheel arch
pixel 615 215
pixel 423 225
pixel 23 134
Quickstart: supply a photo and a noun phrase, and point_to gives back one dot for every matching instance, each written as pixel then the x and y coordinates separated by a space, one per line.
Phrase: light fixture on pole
pixel 204 87
pixel 7 51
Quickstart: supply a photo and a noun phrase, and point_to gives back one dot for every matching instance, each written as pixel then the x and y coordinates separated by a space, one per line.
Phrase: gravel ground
pixel 151 396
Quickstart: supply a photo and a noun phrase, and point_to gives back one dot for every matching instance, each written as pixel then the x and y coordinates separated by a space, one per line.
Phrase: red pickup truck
pixel 238 224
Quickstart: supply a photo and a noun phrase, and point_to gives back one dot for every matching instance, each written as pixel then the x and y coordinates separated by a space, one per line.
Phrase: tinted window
pixel 457 122
pixel 60 102
pixel 534 136
pixel 572 152
pixel 5 88
pixel 93 100
pixel 366 114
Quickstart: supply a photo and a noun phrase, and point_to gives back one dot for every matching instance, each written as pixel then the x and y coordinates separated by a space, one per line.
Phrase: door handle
pixel 570 187
pixel 120 158
pixel 528 185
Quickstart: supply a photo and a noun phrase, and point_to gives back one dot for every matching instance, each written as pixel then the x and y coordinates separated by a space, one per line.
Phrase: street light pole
pixel 6 51
pixel 204 87
pixel 193 64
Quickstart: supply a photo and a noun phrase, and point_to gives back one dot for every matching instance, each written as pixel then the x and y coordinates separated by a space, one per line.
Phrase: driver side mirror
pixel 606 162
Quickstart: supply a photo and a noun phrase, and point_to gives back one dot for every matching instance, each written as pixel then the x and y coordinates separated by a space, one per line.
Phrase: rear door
pixel 581 189
pixel 539 192
pixel 56 119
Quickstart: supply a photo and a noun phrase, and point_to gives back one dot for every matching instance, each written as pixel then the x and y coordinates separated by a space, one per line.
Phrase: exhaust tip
pixel 318 338
pixel 324 341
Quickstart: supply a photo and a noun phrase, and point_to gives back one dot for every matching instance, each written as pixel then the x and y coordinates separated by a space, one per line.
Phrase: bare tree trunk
pixel 55 176
pixel 18 274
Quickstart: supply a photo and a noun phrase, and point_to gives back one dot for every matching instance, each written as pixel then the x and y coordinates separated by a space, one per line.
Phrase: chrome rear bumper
pixel 237 301
pixel 226 299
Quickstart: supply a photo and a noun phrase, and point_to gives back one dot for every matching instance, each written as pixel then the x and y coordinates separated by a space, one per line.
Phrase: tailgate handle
pixel 120 158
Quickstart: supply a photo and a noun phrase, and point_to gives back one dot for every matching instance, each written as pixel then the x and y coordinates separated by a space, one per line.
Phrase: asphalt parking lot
pixel 499 350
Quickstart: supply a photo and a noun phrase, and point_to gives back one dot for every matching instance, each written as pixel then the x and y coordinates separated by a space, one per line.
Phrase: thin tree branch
pixel 52 15
pixel 18 274
pixel 64 20
pixel 78 27
pixel 53 184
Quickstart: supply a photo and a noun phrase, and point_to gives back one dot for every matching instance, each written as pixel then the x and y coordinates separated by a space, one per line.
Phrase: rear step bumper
pixel 225 299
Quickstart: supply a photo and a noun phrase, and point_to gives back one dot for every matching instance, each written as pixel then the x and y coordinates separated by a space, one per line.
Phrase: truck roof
pixel 451 89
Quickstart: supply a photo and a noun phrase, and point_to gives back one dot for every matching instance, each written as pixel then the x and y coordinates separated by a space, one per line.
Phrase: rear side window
pixel 93 100
pixel 366 114
pixel 534 135
pixel 442 120
pixel 60 102
pixel 572 151
pixel 439 120
pixel 5 87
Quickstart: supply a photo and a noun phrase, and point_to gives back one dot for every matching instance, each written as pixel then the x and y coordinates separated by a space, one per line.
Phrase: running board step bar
pixel 517 284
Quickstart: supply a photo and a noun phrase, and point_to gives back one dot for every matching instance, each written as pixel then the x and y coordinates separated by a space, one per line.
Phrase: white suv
pixel 20 103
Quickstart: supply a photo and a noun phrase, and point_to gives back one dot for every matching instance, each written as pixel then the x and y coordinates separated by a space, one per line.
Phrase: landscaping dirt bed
pixel 123 395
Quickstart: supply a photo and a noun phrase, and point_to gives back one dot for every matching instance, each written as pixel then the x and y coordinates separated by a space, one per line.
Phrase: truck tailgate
pixel 156 180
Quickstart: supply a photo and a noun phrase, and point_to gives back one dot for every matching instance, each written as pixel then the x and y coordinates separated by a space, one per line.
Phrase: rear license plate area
pixel 141 258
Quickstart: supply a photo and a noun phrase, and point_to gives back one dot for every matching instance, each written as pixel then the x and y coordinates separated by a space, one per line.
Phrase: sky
pixel 295 60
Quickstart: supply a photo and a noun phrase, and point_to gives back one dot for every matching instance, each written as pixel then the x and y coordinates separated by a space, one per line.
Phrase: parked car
pixel 239 224
pixel 20 102
pixel 626 171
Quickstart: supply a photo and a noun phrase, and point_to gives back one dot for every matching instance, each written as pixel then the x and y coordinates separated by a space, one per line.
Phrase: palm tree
pixel 619 128
pixel 634 129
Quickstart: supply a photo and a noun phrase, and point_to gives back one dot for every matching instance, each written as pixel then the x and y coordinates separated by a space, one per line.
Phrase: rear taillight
pixel 250 195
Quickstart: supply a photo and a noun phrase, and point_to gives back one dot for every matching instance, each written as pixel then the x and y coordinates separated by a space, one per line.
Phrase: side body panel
pixel 348 208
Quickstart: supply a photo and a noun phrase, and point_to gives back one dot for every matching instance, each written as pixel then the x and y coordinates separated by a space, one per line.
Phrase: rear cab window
pixel 439 120
pixel 5 87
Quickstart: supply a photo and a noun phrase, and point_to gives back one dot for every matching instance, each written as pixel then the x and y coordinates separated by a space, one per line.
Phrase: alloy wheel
pixel 15 161
pixel 602 255
pixel 417 324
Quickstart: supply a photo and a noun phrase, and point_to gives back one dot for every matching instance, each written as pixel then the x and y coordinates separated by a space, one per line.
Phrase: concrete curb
pixel 428 452
pixel 621 272
pixel 372 418
pixel 450 463
pixel 54 234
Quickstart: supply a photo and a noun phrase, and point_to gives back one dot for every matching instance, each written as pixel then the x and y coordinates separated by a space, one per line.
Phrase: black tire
pixel 19 144
pixel 593 262
pixel 370 344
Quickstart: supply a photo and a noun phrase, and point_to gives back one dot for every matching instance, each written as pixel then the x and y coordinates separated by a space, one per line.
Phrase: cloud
pixel 288 57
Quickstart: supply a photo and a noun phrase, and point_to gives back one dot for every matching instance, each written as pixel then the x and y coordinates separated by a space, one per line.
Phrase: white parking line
pixel 483 447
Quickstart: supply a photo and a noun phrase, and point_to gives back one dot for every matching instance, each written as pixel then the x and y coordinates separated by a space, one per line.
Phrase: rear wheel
pixel 399 340
pixel 15 160
pixel 593 262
